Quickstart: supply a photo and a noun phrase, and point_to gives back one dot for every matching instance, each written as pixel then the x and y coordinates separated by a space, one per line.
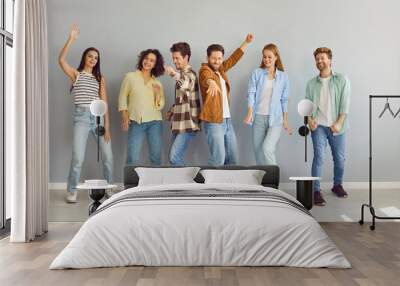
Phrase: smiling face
pixel 179 61
pixel 91 59
pixel 215 60
pixel 269 59
pixel 149 62
pixel 322 61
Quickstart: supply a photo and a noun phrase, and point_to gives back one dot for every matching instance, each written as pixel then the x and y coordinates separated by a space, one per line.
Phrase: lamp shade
pixel 305 107
pixel 98 107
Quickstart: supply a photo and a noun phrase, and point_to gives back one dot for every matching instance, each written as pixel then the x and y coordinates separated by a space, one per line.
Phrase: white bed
pixel 257 226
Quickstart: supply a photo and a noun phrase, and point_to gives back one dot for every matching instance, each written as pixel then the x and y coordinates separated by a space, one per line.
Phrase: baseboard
pixel 287 186
pixel 348 185
pixel 57 186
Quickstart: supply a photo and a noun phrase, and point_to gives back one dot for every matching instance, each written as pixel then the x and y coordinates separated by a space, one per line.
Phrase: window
pixel 6 66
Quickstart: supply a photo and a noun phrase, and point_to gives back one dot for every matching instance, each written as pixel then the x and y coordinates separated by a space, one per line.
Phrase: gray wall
pixel 363 36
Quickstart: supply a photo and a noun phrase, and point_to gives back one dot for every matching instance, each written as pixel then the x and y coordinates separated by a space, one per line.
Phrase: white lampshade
pixel 98 107
pixel 305 107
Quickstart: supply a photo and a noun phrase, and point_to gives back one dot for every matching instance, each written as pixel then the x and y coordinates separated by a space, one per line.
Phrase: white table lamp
pixel 98 108
pixel 305 108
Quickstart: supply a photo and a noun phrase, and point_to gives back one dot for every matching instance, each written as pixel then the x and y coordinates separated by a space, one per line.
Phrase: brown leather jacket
pixel 212 105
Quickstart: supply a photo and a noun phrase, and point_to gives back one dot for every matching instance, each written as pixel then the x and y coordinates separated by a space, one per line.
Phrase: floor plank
pixel 375 257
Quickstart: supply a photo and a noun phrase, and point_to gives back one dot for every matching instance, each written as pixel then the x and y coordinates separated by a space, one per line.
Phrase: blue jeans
pixel 320 137
pixel 222 143
pixel 265 138
pixel 180 142
pixel 136 133
pixel 85 123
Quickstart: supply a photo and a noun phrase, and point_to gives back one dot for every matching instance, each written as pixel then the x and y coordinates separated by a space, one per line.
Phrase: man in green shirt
pixel 330 92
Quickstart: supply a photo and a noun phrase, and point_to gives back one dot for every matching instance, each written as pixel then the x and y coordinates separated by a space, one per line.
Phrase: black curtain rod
pixel 384 96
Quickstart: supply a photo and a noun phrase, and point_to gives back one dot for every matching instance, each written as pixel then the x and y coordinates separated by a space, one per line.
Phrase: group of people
pixel 141 101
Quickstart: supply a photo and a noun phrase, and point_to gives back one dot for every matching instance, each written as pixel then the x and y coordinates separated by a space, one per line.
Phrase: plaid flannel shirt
pixel 186 109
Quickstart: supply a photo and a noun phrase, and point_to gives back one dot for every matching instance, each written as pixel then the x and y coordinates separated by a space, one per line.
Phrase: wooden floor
pixel 374 255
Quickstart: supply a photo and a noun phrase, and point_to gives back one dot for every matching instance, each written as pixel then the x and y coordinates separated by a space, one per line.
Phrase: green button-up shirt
pixel 339 88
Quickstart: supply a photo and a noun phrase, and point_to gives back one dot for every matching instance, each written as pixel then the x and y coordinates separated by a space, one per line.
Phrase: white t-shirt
pixel 324 116
pixel 225 104
pixel 265 99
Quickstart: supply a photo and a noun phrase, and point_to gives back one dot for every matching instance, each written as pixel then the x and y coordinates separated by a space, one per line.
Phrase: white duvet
pixel 200 231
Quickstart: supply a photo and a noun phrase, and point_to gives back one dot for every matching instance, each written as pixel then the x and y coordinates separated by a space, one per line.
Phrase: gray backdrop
pixel 363 35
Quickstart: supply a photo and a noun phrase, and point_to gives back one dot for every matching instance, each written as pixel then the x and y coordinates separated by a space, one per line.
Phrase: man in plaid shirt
pixel 184 113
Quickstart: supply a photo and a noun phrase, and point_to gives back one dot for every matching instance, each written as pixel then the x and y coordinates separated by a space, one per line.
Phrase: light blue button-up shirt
pixel 280 94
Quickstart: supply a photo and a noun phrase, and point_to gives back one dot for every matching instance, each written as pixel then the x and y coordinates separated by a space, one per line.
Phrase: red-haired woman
pixel 268 93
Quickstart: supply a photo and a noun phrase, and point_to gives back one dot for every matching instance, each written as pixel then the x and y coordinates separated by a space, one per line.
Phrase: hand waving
pixel 74 33
pixel 249 38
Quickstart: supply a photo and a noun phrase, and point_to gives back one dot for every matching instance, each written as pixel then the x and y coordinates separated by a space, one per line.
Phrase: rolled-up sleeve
pixel 285 95
pixel 345 97
pixel 310 97
pixel 185 81
pixel 232 60
pixel 252 89
pixel 123 95
pixel 308 92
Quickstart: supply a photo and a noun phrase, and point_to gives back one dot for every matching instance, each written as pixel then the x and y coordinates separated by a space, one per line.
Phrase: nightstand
pixel 305 190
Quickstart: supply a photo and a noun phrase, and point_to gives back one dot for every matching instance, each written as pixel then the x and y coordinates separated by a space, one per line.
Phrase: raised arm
pixel 246 42
pixel 237 54
pixel 62 57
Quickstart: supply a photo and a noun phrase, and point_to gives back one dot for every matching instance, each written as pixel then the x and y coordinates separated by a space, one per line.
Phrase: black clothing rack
pixel 369 205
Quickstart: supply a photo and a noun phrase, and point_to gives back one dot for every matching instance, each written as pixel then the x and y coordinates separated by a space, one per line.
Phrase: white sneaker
pixel 71 197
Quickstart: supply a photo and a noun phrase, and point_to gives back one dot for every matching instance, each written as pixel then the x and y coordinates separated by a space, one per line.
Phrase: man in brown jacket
pixel 214 87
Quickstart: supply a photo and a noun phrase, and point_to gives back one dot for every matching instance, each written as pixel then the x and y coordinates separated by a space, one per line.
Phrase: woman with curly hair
pixel 141 100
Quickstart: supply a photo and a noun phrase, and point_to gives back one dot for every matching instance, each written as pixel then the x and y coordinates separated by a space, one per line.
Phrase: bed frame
pixel 270 179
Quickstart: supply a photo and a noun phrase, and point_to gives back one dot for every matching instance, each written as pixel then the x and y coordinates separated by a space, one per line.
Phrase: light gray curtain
pixel 28 117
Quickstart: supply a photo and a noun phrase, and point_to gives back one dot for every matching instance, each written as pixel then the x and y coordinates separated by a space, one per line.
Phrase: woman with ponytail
pixel 268 93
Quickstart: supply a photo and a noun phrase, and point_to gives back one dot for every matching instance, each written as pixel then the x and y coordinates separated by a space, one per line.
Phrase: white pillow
pixel 163 176
pixel 249 177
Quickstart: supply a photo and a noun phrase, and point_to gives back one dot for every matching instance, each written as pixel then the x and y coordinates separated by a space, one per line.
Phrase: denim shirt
pixel 339 88
pixel 280 94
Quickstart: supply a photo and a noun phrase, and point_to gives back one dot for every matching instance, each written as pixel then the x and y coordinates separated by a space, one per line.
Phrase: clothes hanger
pixel 397 113
pixel 387 107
